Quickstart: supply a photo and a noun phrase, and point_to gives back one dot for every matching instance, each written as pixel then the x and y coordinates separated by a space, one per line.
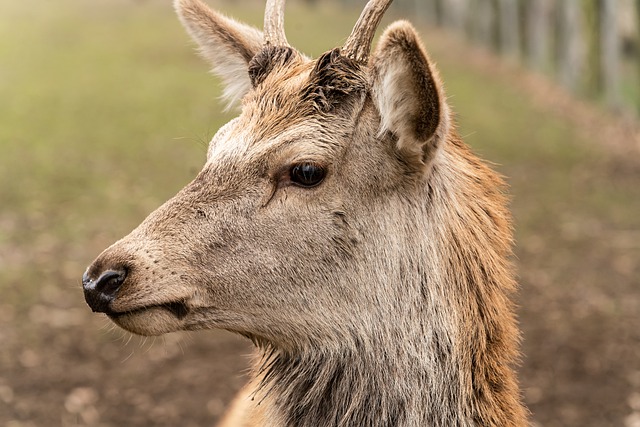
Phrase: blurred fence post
pixel 570 44
pixel 455 13
pixel 578 40
pixel 537 19
pixel 427 10
pixel 509 27
pixel 609 51
pixel 483 22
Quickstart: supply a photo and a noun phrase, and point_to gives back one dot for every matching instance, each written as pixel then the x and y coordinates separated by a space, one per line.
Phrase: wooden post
pixel 509 27
pixel 537 33
pixel 609 52
pixel 570 44
pixel 455 13
pixel 427 10
pixel 482 22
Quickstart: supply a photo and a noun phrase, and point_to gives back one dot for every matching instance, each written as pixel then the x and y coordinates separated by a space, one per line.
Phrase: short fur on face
pixel 379 296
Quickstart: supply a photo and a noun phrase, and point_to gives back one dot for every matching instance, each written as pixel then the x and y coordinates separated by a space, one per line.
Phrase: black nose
pixel 100 292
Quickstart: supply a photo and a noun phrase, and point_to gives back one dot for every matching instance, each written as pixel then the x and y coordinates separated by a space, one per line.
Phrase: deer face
pixel 299 209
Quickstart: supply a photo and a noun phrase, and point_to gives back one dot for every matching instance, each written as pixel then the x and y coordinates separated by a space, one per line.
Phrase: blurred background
pixel 106 111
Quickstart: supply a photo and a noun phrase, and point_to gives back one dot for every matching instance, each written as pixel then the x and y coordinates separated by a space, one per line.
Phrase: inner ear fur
pixel 409 94
pixel 226 44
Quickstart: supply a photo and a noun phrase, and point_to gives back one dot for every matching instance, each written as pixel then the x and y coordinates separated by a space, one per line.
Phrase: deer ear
pixel 226 44
pixel 409 95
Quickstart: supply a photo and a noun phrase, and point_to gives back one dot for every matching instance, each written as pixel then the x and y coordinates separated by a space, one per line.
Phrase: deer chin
pixel 151 320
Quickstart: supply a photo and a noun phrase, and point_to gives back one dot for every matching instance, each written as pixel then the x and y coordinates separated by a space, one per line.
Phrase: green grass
pixel 106 104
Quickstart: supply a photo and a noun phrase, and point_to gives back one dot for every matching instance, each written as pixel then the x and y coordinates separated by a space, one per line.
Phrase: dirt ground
pixel 578 257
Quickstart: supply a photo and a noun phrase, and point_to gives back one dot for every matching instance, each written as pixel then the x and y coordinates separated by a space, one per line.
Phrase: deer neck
pixel 421 372
pixel 360 387
pixel 444 357
pixel 437 378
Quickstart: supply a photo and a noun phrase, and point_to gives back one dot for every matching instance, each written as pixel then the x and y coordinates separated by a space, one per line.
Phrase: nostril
pixel 85 279
pixel 109 282
pixel 100 292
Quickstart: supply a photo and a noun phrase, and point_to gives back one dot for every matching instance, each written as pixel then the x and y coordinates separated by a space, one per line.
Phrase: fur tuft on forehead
pixel 333 79
pixel 267 59
pixel 288 88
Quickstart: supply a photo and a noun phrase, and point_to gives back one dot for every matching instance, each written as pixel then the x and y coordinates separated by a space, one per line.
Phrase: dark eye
pixel 307 174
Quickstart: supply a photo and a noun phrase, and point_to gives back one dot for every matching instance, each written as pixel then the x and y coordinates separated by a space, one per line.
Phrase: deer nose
pixel 100 292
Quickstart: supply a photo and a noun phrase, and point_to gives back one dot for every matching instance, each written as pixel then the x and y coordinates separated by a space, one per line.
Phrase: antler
pixel 358 44
pixel 274 23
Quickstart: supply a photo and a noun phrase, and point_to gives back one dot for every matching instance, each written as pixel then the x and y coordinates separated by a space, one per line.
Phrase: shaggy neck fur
pixel 445 360
pixel 366 389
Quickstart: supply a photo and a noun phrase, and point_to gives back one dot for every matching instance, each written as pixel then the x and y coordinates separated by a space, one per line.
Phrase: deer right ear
pixel 409 95
pixel 226 44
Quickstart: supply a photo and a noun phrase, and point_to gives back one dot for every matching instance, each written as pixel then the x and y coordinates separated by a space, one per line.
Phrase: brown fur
pixel 380 297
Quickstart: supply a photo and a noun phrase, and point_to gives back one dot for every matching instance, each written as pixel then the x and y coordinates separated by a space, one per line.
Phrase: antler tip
pixel 274 23
pixel 358 44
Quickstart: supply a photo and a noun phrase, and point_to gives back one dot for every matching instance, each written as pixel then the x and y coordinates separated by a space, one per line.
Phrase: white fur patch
pixel 395 102
pixel 232 69
pixel 227 143
pixel 401 98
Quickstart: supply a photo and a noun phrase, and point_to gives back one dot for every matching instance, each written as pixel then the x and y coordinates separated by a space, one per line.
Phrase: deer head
pixel 338 218
pixel 300 208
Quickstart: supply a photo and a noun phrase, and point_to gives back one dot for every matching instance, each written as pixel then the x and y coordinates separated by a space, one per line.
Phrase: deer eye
pixel 307 174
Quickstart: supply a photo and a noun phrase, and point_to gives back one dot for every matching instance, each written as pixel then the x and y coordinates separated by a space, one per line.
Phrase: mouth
pixel 179 309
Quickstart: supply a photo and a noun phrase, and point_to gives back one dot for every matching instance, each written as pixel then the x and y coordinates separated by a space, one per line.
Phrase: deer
pixel 341 224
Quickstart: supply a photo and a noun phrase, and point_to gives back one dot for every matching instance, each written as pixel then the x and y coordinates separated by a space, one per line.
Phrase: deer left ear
pixel 409 95
pixel 226 44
